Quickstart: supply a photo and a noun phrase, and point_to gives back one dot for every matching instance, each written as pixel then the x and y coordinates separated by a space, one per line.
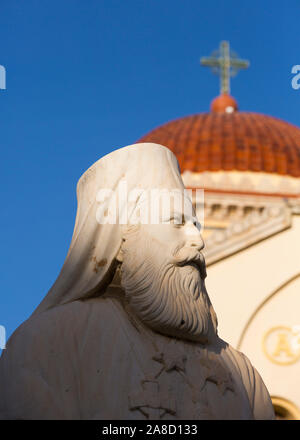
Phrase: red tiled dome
pixel 231 141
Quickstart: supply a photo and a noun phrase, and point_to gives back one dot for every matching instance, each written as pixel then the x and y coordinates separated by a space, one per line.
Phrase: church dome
pixel 229 140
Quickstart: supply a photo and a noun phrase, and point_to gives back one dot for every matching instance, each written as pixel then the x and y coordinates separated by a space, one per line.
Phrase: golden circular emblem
pixel 281 345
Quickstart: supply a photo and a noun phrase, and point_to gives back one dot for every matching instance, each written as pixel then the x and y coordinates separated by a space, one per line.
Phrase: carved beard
pixel 167 295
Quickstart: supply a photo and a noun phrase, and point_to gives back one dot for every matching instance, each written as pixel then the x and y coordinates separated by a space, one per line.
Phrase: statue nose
pixel 196 241
pixel 194 238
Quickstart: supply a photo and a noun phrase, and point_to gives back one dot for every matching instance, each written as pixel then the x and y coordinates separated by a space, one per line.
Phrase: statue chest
pixel 183 383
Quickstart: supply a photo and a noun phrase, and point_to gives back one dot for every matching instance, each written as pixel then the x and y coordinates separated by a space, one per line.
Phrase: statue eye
pixel 197 224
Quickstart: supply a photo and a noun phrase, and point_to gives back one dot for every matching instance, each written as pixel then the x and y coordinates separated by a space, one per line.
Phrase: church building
pixel 249 167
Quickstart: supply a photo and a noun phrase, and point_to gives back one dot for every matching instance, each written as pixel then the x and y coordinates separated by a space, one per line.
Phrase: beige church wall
pixel 238 284
pixel 272 341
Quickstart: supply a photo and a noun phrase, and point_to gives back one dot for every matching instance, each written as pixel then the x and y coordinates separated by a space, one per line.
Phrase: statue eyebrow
pixel 173 216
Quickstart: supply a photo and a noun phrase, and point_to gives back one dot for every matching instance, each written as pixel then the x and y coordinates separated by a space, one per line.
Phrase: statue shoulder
pixel 73 320
pixel 258 394
pixel 54 351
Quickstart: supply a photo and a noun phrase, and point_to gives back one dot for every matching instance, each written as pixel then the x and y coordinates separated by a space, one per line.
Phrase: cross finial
pixel 224 63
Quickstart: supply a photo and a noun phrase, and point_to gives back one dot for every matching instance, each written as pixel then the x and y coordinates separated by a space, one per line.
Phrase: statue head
pixel 163 273
pixel 135 215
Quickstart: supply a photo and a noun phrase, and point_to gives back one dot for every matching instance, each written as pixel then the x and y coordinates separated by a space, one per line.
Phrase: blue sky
pixel 87 77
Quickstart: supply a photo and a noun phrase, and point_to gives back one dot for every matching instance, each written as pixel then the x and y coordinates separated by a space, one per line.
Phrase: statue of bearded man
pixel 128 331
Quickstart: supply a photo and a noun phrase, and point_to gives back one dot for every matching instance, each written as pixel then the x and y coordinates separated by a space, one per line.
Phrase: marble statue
pixel 127 331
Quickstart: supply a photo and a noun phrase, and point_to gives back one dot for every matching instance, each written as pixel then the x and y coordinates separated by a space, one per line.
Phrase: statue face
pixel 163 275
pixel 176 236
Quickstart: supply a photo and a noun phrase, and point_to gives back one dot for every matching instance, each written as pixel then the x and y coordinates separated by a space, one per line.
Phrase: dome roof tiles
pixel 231 141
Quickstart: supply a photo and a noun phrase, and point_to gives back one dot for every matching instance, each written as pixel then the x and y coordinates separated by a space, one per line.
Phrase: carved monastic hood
pixel 91 259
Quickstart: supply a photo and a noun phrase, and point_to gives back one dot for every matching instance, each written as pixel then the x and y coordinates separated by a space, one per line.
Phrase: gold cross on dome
pixel 225 63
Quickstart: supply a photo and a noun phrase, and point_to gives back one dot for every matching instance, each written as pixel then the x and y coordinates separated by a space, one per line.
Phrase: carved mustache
pixel 188 256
